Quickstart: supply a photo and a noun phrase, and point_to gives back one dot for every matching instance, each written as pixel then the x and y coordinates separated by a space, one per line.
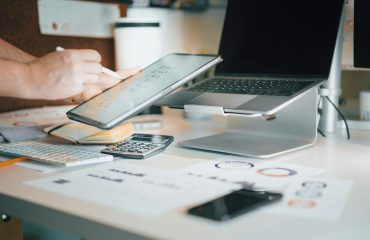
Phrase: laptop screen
pixel 285 37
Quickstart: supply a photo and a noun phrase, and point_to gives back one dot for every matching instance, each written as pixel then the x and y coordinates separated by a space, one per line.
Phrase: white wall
pixel 186 32
pixel 347 54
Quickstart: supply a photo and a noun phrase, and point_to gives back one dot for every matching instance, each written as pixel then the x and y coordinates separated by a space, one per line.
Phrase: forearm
pixel 14 79
pixel 10 52
pixel 56 75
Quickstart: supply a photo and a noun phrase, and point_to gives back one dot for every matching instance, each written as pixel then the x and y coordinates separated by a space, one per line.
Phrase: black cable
pixel 319 110
pixel 340 113
pixel 321 132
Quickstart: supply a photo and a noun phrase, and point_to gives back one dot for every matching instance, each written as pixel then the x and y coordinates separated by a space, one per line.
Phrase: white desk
pixel 341 159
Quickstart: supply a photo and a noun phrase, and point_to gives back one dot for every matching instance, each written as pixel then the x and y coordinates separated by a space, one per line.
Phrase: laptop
pixel 273 52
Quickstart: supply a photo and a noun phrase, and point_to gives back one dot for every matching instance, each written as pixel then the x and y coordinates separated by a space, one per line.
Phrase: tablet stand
pixel 294 127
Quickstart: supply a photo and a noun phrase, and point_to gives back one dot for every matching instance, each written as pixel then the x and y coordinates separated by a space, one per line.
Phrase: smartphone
pixel 234 204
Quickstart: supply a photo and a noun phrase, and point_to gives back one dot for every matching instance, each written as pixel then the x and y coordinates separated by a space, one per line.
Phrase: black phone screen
pixel 234 204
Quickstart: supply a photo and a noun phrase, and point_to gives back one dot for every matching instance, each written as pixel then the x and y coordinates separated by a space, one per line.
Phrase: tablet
pixel 133 95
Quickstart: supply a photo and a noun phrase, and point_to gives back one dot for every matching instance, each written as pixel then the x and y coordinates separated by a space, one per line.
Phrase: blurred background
pixel 148 28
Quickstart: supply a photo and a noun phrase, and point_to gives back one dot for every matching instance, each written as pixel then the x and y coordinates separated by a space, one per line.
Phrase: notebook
pixel 84 134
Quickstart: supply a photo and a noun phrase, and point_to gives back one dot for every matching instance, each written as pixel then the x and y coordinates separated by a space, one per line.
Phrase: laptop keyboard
pixel 251 87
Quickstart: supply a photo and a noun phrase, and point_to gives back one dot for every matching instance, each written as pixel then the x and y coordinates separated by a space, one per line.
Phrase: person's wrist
pixel 26 79
pixel 27 58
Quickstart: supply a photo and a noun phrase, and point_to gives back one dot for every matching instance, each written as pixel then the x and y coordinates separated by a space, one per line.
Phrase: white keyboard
pixel 53 154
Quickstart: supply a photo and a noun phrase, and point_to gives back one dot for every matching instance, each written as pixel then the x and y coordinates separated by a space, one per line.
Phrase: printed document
pixel 250 173
pixel 316 198
pixel 135 189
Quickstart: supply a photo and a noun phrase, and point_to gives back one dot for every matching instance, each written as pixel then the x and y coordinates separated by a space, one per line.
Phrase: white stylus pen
pixel 103 69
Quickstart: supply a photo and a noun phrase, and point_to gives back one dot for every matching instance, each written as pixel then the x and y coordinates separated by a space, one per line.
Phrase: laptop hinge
pixel 217 110
pixel 204 109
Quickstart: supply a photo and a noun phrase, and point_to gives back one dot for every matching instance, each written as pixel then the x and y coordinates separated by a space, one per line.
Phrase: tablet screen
pixel 139 91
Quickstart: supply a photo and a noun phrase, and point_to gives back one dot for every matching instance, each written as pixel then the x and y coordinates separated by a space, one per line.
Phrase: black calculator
pixel 140 146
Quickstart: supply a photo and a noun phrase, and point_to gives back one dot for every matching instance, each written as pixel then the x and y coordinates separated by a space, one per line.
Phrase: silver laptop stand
pixel 332 87
pixel 295 127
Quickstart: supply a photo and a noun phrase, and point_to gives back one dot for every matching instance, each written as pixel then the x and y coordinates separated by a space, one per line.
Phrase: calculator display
pixel 150 138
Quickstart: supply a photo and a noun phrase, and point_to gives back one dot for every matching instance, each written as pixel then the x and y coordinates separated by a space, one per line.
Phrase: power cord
pixel 320 112
pixel 341 115
pixel 321 132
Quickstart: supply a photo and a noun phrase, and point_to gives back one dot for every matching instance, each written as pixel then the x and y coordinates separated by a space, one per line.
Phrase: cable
pixel 319 110
pixel 321 132
pixel 340 113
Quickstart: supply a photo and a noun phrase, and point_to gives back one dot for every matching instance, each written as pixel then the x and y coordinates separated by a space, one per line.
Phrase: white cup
pixel 137 42
pixel 365 105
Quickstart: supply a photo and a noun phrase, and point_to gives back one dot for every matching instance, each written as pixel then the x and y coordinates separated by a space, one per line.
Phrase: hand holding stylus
pixel 59 75
pixel 107 79
pixel 68 73
pixel 103 69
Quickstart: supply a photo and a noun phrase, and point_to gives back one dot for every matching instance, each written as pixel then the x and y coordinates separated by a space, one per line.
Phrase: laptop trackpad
pixel 224 100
